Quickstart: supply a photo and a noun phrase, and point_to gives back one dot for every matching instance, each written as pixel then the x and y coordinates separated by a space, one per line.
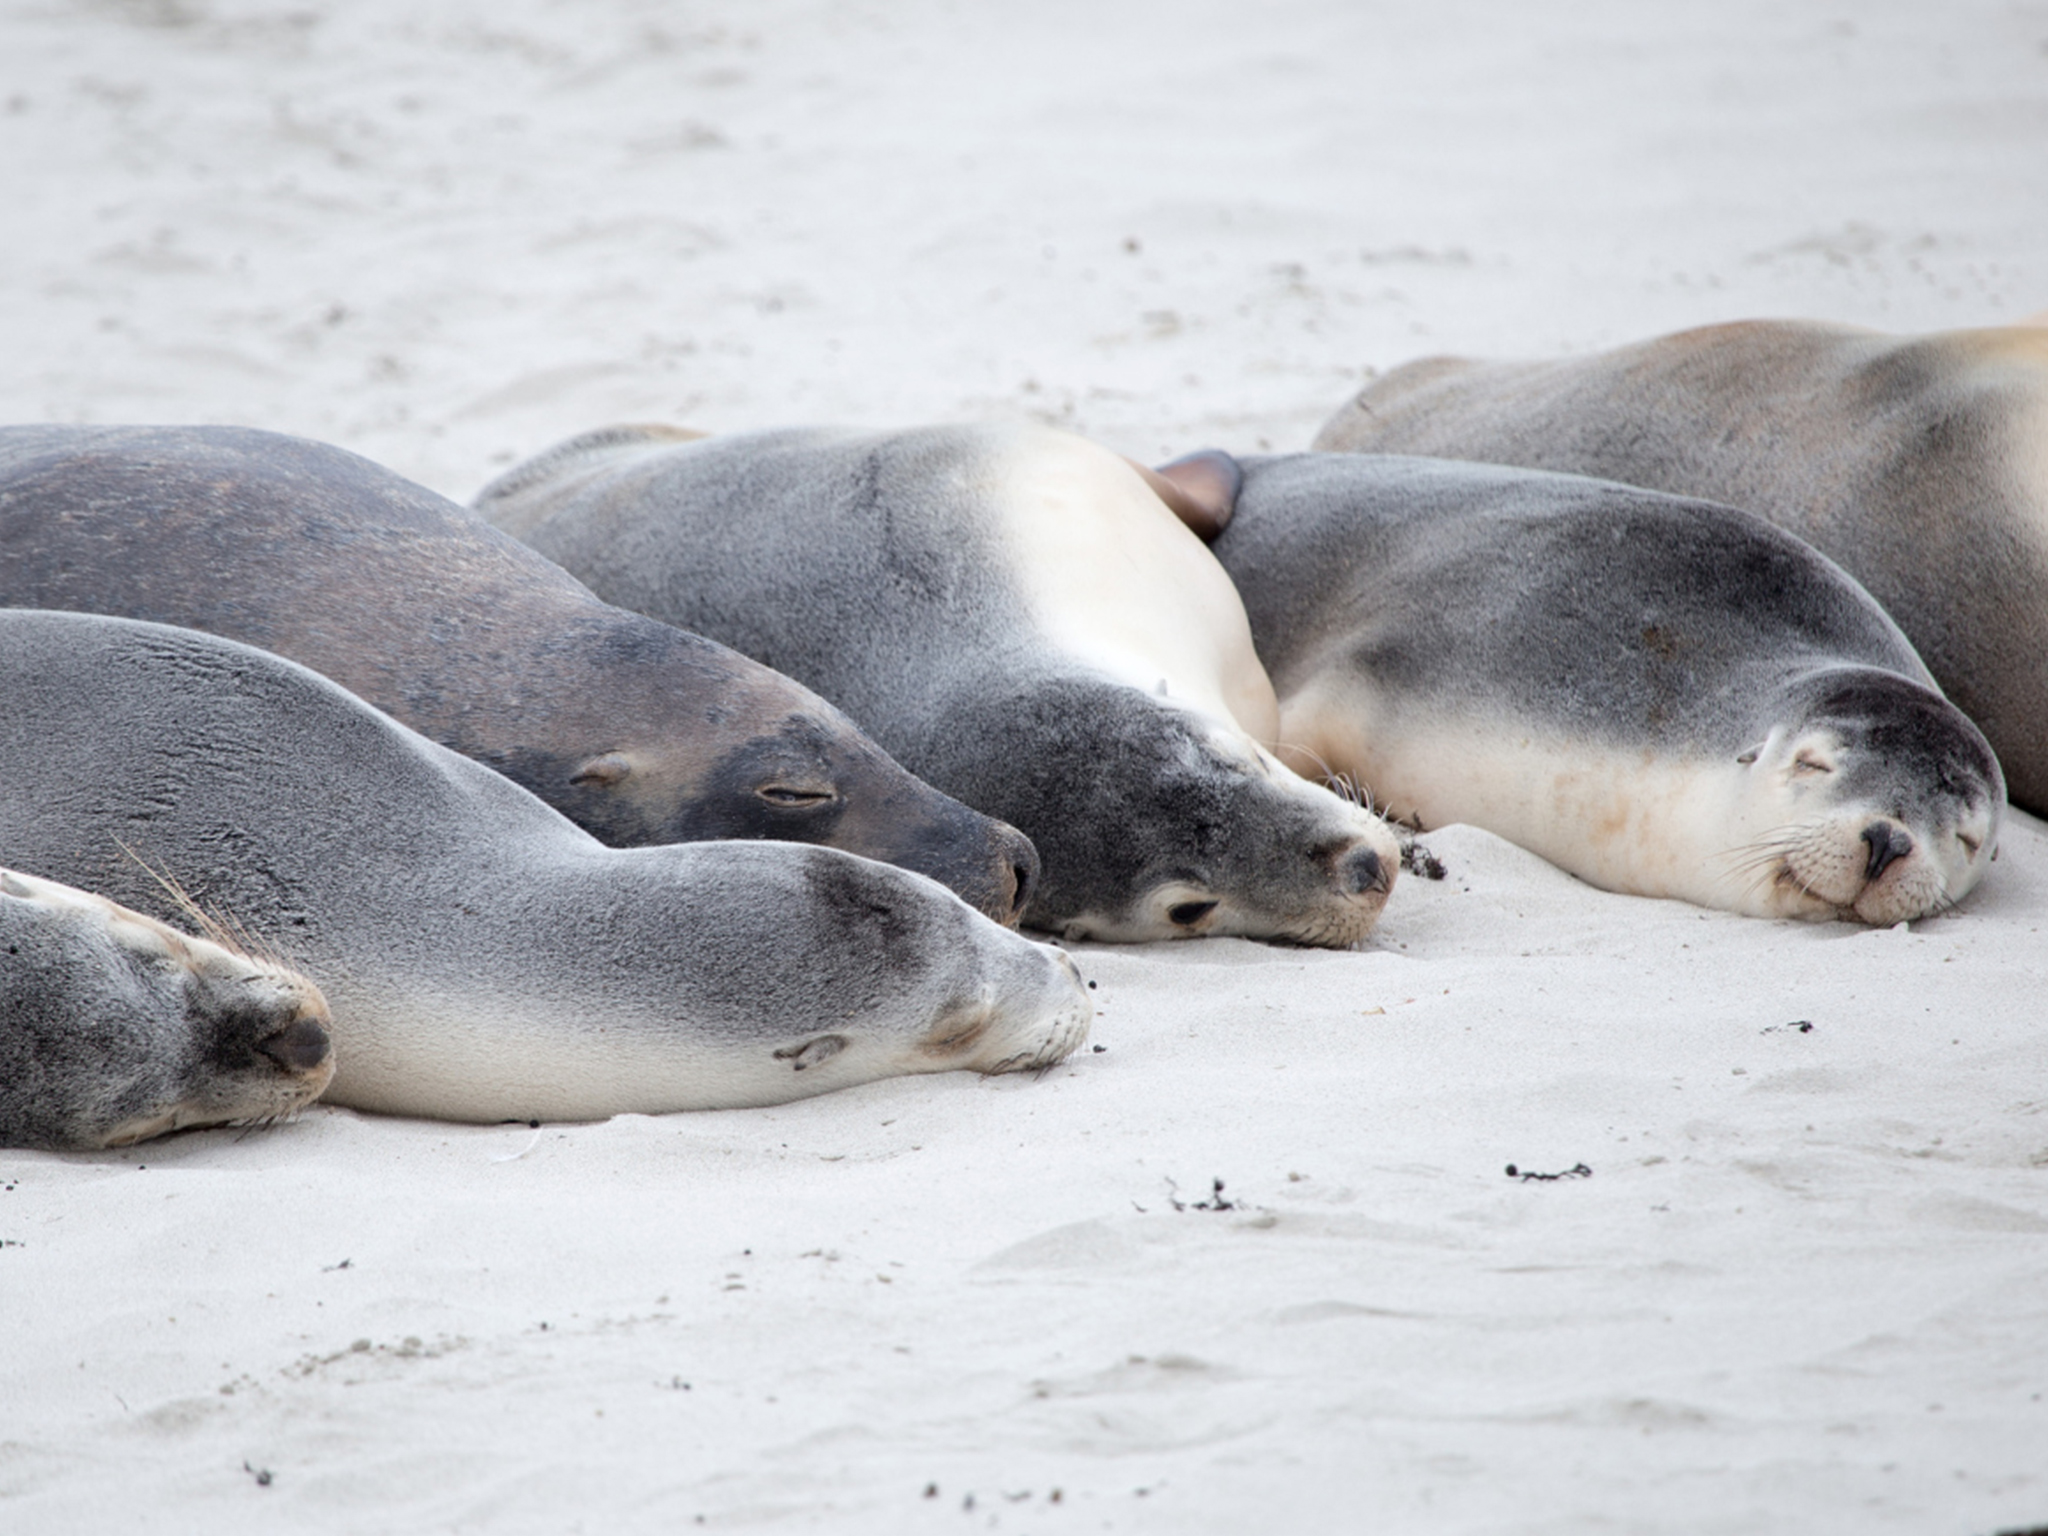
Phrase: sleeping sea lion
pixel 1661 696
pixel 486 959
pixel 115 1027
pixel 1015 615
pixel 1920 463
pixel 634 730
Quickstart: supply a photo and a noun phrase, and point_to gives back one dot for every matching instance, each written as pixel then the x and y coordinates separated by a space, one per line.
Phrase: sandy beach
pixel 1774 1257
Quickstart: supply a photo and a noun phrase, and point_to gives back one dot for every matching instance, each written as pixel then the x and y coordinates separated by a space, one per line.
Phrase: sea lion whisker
pixel 1335 780
pixel 1795 878
pixel 1774 840
pixel 1943 903
pixel 183 900
pixel 211 920
pixel 1357 792
pixel 1752 860
pixel 1758 856
pixel 1774 846
pixel 1321 761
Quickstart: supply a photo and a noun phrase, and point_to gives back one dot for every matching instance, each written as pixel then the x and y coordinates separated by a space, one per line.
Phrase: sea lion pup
pixel 115 1027
pixel 1014 614
pixel 1663 697
pixel 636 732
pixel 485 958
pixel 1920 463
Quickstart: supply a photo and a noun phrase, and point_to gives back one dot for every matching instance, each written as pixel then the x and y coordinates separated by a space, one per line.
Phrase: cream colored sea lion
pixel 115 1027
pixel 1920 463
pixel 634 730
pixel 1664 697
pixel 485 959
pixel 1014 614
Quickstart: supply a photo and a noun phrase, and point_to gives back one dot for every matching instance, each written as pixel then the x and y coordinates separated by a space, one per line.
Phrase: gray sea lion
pixel 115 1027
pixel 485 959
pixel 634 730
pixel 1014 614
pixel 1920 463
pixel 1665 697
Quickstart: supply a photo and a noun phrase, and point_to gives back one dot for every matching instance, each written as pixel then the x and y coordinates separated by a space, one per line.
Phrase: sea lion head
pixel 116 1027
pixel 1867 796
pixel 994 1001
pixel 1155 821
pixel 762 756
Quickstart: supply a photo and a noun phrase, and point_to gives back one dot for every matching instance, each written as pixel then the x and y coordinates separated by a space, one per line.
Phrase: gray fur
pixel 1919 463
pixel 871 566
pixel 113 1027
pixel 484 958
pixel 1578 610
pixel 1618 615
pixel 637 731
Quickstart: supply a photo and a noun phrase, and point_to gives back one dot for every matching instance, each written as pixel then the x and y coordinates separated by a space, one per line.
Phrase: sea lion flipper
pixel 602 771
pixel 1200 487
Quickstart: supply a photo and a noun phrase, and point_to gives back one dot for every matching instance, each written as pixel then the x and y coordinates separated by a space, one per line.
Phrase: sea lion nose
pixel 1021 857
pixel 301 1046
pixel 1361 871
pixel 1887 844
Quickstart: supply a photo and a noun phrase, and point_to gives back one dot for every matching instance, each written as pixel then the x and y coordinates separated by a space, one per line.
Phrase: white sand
pixel 1805 1288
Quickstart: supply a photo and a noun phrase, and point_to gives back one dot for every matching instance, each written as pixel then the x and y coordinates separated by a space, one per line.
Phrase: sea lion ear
pixel 1201 488
pixel 601 772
